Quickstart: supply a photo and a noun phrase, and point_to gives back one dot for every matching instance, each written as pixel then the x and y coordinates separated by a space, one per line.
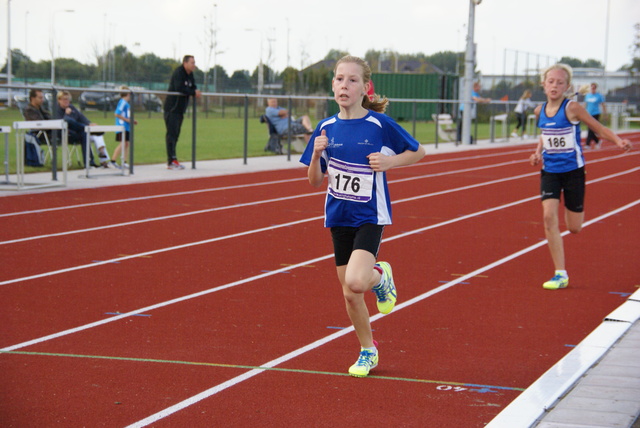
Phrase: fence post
pixel 475 131
pixel 414 119
pixel 55 135
pixel 437 125
pixel 289 131
pixel 132 125
pixel 193 135
pixel 246 128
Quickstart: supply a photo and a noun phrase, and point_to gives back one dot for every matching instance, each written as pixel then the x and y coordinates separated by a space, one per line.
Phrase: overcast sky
pixel 301 32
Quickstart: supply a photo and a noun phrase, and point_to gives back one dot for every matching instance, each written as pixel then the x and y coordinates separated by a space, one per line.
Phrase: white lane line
pixel 216 189
pixel 273 363
pixel 249 232
pixel 241 205
pixel 160 250
pixel 247 204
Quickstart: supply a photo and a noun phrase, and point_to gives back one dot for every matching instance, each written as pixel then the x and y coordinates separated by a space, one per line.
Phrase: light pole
pixel 9 52
pixel 53 43
pixel 26 33
pixel 261 66
pixel 606 51
pixel 469 67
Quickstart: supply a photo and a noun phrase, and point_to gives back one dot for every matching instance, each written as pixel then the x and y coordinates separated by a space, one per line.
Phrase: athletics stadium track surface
pixel 597 382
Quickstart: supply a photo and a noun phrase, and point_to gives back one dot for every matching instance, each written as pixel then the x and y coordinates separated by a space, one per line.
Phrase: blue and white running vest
pixel 561 149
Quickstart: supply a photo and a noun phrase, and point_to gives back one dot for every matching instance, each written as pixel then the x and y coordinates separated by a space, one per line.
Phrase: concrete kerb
pixel 211 168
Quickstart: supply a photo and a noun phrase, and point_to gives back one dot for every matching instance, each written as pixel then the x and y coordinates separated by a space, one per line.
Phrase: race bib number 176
pixel 350 181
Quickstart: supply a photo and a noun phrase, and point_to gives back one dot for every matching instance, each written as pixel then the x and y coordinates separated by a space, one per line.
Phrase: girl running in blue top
pixel 354 148
pixel 563 171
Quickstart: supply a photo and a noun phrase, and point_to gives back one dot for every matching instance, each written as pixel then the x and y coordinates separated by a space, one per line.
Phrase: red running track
pixel 214 302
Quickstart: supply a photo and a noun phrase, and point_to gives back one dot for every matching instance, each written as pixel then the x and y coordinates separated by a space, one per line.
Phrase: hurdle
pixel 6 130
pixel 41 125
pixel 492 124
pixel 101 129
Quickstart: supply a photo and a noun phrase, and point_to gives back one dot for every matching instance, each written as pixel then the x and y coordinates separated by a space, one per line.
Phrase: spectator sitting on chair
pixel 279 117
pixel 76 122
pixel 34 110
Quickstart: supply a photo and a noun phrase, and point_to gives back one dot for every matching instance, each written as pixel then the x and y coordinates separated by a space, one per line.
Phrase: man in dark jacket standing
pixel 175 105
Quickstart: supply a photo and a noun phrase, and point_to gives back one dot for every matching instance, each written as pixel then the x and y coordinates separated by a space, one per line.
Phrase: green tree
pixel 72 69
pixel 593 63
pixel 634 50
pixel 570 61
pixel 221 78
pixel 447 61
pixel 291 80
pixel 155 69
pixel 240 81
pixel 335 54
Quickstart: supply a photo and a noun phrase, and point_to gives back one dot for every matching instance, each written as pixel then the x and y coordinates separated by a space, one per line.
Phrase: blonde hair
pixel 559 66
pixel 124 91
pixel 584 89
pixel 375 103
pixel 62 94
pixel 567 69
pixel 526 94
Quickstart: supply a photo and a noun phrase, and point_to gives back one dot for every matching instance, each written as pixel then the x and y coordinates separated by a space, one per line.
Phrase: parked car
pixel 18 89
pixel 149 102
pixel 4 97
pixel 93 98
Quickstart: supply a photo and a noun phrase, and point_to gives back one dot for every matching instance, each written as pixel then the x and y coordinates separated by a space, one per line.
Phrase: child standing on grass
pixel 123 114
pixel 524 104
pixel 354 148
pixel 563 162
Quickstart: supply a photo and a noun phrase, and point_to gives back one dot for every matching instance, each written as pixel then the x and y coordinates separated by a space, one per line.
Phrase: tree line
pixel 148 70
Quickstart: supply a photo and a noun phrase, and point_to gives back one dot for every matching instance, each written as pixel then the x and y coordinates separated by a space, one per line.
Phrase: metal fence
pixel 251 106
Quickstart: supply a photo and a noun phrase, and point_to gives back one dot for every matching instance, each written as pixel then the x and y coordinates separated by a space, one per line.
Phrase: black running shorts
pixel 571 184
pixel 347 239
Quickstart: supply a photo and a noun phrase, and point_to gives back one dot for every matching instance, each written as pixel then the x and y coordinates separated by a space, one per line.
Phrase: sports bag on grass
pixel 33 154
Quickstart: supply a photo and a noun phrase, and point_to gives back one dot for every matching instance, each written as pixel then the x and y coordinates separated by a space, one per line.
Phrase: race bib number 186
pixel 350 181
pixel 559 140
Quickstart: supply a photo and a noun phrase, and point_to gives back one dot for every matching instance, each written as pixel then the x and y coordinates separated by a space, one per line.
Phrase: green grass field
pixel 217 137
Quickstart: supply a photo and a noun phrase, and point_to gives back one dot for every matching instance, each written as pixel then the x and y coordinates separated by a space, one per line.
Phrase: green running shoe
pixel 386 290
pixel 366 361
pixel 557 282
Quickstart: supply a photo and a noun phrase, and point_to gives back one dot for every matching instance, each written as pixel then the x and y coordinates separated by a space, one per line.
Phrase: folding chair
pixel 41 135
pixel 298 142
pixel 76 149
pixel 274 144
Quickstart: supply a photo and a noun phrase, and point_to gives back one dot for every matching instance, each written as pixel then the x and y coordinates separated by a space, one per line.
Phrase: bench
pixel 629 119
pixel 445 126
pixel 274 144
pixel 492 123
pixel 531 124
